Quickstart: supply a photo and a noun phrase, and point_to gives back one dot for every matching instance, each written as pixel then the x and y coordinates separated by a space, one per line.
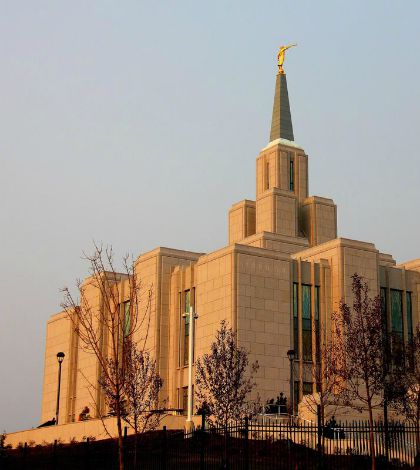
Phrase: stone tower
pixel 283 209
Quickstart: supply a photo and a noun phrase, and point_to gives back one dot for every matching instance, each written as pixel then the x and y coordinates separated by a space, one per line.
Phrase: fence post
pixel 165 449
pixel 25 450
pixel 125 451
pixel 202 435
pixel 55 454
pixel 87 454
pixel 318 412
pixel 386 428
pixel 246 432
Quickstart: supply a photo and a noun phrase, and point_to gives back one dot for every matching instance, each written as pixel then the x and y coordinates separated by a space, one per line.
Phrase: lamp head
pixel 60 357
pixel 291 354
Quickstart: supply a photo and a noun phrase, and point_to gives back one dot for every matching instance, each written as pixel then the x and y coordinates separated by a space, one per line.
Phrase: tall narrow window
pixel 184 399
pixel 181 333
pixel 317 328
pixel 193 302
pixel 187 303
pixel 292 174
pixel 384 308
pixel 397 324
pixel 409 318
pixel 308 388
pixel 396 312
pixel 127 318
pixel 267 175
pixel 306 323
pixel 184 404
pixel 384 317
pixel 295 320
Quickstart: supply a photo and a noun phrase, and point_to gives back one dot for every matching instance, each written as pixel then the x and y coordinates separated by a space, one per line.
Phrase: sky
pixel 137 124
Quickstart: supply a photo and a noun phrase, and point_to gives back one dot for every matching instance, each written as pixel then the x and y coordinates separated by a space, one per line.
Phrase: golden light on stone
pixel 282 273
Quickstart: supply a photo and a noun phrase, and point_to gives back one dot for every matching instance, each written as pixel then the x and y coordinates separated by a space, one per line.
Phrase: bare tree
pixel 105 328
pixel 141 391
pixel 223 380
pixel 406 397
pixel 358 349
pixel 325 401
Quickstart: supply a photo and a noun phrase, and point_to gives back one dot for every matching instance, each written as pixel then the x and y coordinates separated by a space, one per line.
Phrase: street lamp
pixel 60 359
pixel 192 316
pixel 291 356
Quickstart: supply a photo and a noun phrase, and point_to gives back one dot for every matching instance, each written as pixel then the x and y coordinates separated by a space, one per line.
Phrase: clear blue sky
pixel 121 121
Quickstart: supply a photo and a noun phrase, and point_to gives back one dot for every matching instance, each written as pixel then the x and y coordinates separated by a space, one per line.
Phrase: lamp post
pixel 60 359
pixel 189 425
pixel 291 356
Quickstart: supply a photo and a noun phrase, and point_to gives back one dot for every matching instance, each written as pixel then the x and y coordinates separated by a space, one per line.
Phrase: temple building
pixel 277 281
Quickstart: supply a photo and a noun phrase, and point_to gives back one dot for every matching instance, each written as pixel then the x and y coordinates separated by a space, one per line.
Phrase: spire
pixel 281 122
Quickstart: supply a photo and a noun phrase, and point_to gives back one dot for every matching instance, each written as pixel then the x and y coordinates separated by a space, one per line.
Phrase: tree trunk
pixel 321 441
pixel 120 439
pixel 226 448
pixel 371 437
pixel 135 444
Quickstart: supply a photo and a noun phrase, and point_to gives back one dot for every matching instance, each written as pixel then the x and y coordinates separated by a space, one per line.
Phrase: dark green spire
pixel 281 122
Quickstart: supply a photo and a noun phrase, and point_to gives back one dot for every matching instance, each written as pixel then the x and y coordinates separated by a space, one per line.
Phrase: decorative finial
pixel 280 56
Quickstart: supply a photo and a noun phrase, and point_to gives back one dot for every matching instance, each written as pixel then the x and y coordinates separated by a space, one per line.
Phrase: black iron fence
pixel 244 445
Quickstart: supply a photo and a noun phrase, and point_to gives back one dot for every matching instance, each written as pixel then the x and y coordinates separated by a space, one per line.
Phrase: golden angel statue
pixel 280 56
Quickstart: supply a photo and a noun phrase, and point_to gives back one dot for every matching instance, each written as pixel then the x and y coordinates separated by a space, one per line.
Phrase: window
pixel 411 358
pixel 186 300
pixel 291 174
pixel 180 334
pixel 184 400
pixel 396 312
pixel 397 340
pixel 307 388
pixel 317 328
pixel 267 175
pixel 295 320
pixel 187 303
pixel 384 317
pixel 127 319
pixel 409 318
pixel 384 309
pixel 306 323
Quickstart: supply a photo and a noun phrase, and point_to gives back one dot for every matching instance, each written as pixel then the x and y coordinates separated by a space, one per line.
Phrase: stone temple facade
pixel 281 275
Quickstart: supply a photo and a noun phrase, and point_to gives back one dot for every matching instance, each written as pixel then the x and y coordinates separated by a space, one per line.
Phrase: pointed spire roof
pixel 281 122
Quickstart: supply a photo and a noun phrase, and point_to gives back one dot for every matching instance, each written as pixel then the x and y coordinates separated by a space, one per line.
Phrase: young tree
pixel 105 328
pixel 141 390
pixel 223 380
pixel 326 399
pixel 358 348
pixel 407 402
